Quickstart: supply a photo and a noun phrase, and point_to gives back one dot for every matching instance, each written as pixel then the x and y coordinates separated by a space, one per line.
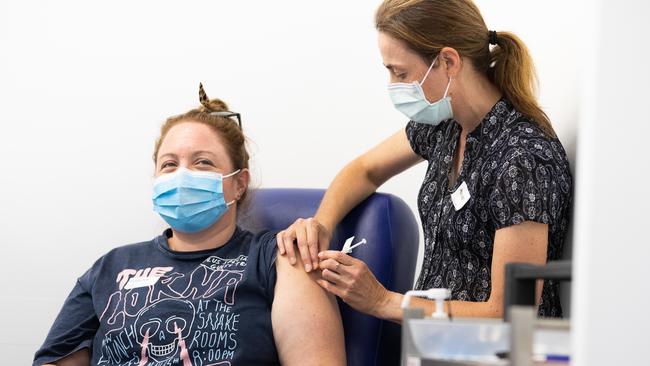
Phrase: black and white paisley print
pixel 515 173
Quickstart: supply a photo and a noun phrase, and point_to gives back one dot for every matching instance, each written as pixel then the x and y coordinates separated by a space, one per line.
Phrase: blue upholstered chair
pixel 390 228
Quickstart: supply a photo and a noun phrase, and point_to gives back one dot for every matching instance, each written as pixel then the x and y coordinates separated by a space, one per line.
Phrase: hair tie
pixel 492 37
pixel 203 98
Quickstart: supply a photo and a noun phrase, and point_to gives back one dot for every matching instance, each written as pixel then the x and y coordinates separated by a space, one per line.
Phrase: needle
pixel 349 250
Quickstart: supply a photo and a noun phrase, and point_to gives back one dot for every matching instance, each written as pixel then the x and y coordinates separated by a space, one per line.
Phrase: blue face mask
pixel 409 99
pixel 190 201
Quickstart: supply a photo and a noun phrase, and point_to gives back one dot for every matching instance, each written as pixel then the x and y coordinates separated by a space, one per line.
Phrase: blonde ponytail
pixel 513 72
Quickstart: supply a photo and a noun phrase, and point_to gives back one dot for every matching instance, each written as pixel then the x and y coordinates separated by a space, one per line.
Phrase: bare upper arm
pixel 526 242
pixel 389 158
pixel 306 321
pixel 78 358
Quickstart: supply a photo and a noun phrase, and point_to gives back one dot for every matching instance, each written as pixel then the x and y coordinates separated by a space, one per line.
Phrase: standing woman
pixel 498 185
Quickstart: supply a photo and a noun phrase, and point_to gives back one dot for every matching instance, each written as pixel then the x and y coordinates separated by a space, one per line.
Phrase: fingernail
pixel 292 260
pixel 307 267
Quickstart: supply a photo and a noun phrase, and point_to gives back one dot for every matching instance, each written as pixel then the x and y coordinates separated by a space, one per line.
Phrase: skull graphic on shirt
pixel 160 326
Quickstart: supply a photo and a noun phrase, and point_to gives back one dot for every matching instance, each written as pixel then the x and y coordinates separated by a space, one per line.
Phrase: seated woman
pixel 205 292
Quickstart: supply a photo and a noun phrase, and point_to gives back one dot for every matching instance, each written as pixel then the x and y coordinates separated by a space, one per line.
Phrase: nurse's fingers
pixel 279 241
pixel 337 256
pixel 334 266
pixel 303 247
pixel 331 288
pixel 313 229
pixel 285 240
pixel 332 276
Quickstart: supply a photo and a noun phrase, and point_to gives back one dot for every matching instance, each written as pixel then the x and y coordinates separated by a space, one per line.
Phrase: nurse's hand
pixel 310 236
pixel 351 280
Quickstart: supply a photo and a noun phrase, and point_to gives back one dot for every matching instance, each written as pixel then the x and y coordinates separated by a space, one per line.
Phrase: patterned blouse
pixel 514 173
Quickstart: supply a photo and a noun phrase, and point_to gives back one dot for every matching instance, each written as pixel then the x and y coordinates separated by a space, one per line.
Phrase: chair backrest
pixel 391 231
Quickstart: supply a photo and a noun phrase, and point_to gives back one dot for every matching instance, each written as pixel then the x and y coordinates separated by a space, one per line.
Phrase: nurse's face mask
pixel 409 99
pixel 190 201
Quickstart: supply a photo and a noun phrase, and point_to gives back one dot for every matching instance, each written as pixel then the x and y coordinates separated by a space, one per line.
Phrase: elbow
pixel 372 176
pixel 496 311
pixel 494 307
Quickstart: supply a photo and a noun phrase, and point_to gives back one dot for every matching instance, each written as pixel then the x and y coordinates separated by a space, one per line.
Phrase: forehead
pixel 186 138
pixel 394 52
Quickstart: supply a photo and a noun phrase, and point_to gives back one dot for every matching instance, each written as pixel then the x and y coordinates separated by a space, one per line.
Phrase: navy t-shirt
pixel 144 304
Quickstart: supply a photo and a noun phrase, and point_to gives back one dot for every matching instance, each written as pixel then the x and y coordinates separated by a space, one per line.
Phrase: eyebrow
pixel 204 152
pixel 172 155
pixel 392 67
pixel 167 155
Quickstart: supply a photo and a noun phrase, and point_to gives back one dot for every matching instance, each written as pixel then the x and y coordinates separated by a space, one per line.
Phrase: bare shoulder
pixel 306 321
pixel 296 273
pixel 78 358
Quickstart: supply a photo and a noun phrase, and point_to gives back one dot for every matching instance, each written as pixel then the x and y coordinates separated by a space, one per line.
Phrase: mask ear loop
pixel 447 89
pixel 428 71
pixel 231 174
pixel 227 176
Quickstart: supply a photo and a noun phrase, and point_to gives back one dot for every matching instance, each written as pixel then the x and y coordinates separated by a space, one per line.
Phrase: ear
pixel 451 61
pixel 242 180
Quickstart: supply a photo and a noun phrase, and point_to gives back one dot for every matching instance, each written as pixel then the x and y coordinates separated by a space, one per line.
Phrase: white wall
pixel 85 85
pixel 611 271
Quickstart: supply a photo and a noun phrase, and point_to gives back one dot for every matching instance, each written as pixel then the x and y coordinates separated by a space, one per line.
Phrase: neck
pixel 474 98
pixel 213 237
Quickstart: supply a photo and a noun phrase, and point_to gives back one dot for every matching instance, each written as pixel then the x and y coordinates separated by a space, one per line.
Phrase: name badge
pixel 460 197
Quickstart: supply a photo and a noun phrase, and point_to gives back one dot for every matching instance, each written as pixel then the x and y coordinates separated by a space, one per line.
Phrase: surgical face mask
pixel 409 99
pixel 190 201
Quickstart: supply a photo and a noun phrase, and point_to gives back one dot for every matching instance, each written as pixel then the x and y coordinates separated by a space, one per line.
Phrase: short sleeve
pixel 421 138
pixel 267 246
pixel 525 189
pixel 74 327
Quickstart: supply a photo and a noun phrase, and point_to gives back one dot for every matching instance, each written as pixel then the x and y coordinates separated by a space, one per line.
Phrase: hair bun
pixel 210 105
